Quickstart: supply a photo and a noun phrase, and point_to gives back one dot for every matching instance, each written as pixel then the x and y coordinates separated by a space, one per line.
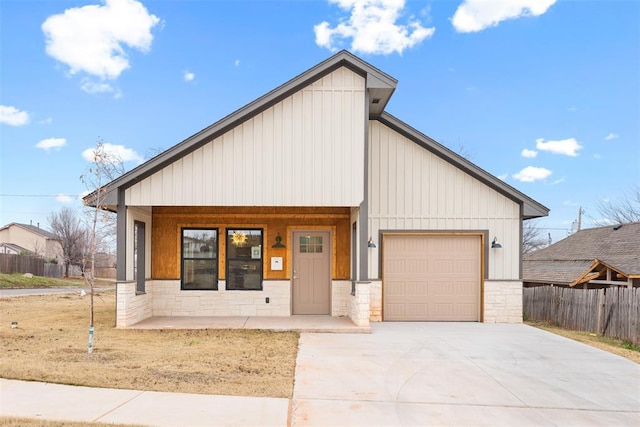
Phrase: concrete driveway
pixel 410 374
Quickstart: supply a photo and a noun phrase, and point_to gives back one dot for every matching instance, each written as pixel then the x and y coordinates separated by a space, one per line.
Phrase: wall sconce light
pixel 278 243
pixel 370 243
pixel 495 244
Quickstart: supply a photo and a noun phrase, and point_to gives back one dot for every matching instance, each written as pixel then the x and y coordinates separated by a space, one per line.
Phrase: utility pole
pixel 580 218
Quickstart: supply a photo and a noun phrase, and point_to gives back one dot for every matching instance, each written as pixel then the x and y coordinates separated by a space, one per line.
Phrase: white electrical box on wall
pixel 276 263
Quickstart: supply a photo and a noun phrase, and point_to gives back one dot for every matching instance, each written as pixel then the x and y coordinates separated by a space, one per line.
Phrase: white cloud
pixel 63 198
pixel 503 176
pixel 237 63
pixel 372 27
pixel 119 152
pixel 568 147
pixel 477 15
pixel 188 76
pixel 529 154
pixel 532 174
pixel 51 144
pixel 46 121
pixel 92 87
pixel 572 109
pixel 12 116
pixel 597 156
pixel 611 136
pixel 92 38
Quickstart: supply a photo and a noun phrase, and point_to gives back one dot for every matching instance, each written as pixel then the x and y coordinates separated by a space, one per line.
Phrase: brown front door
pixel 311 272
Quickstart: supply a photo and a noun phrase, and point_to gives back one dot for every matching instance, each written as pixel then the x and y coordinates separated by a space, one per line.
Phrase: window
pixel 139 256
pixel 310 244
pixel 199 259
pixel 244 259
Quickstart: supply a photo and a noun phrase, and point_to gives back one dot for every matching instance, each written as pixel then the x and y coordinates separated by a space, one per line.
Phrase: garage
pixel 432 277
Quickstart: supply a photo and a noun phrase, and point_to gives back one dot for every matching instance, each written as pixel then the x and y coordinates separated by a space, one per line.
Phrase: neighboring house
pixel 313 199
pixel 590 258
pixel 10 248
pixel 34 239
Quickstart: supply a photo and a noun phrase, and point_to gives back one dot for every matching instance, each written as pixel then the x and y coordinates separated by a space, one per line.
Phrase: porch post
pixel 364 206
pixel 121 239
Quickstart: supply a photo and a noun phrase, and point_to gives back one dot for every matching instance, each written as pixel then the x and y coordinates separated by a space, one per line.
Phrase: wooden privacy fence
pixel 11 263
pixel 613 312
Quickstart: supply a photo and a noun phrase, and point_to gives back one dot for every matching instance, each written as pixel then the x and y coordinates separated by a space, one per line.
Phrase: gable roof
pixel 568 260
pixel 32 228
pixel 379 85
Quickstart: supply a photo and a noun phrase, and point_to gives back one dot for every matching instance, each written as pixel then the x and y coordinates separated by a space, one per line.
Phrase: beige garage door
pixel 434 278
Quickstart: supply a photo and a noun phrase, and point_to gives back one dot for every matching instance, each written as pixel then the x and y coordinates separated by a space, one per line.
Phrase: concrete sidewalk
pixel 146 408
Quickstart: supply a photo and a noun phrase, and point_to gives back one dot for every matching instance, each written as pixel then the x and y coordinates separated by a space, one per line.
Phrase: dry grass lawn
pixel 20 281
pixel 611 345
pixel 31 422
pixel 50 344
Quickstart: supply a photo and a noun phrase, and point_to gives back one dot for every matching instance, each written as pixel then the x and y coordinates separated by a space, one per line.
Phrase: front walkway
pixel 307 323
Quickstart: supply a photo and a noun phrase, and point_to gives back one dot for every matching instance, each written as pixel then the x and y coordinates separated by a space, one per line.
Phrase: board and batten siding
pixel 411 188
pixel 305 150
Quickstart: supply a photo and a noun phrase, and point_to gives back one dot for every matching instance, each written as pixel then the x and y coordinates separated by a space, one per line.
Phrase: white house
pixel 312 199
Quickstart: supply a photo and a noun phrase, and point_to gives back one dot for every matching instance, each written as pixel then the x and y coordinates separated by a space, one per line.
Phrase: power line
pixel 39 195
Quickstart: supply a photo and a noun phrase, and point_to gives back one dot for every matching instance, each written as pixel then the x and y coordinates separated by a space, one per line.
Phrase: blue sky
pixel 543 94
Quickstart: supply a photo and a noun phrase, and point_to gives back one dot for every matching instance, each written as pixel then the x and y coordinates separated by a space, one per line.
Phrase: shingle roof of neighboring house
pixel 566 261
pixel 380 87
pixel 33 229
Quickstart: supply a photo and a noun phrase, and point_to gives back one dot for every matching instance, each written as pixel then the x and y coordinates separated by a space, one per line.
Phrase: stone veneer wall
pixel 164 298
pixel 132 308
pixel 340 293
pixel 502 301
pixel 169 300
pixel 375 298
pixel 359 304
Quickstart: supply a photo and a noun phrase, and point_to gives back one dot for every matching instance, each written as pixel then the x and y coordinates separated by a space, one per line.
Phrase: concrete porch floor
pixel 298 323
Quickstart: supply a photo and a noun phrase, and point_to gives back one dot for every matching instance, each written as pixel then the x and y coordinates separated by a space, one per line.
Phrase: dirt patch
pixel 50 344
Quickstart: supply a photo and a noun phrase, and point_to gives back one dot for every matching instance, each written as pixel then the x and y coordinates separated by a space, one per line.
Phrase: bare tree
pixel 105 167
pixel 624 210
pixel 68 227
pixel 531 239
